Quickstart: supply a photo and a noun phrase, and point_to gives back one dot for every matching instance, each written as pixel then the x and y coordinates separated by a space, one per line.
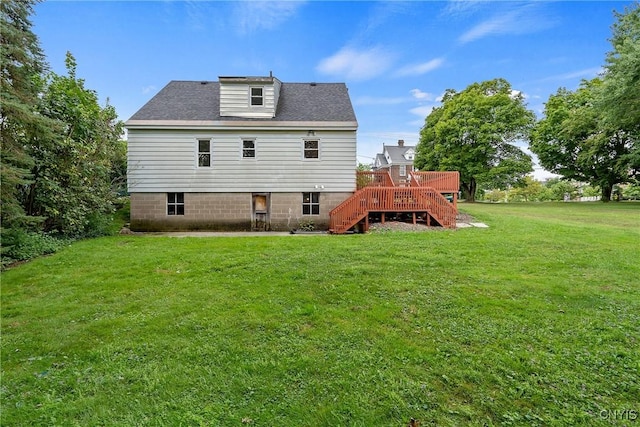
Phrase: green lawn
pixel 533 321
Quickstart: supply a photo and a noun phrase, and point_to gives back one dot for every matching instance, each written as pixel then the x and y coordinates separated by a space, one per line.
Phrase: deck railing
pixel 373 179
pixel 392 199
pixel 444 182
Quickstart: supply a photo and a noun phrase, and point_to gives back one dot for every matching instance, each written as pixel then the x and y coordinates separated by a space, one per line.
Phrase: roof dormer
pixel 250 97
pixel 409 154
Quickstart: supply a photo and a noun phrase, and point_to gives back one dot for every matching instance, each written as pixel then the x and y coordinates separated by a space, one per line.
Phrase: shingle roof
pixel 195 100
pixel 397 154
pixel 381 160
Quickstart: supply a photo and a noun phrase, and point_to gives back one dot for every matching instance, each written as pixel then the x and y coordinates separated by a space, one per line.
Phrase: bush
pixel 98 224
pixel 22 245
pixel 306 225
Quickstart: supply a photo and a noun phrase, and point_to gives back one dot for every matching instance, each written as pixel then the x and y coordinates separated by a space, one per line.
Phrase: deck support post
pixel 382 218
pixel 414 218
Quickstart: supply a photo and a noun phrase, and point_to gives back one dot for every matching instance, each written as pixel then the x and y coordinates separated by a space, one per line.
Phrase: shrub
pixel 22 245
pixel 306 225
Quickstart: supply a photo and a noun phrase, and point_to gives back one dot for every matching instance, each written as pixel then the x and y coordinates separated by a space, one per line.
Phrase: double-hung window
pixel 204 153
pixel 248 149
pixel 175 203
pixel 311 149
pixel 310 203
pixel 257 96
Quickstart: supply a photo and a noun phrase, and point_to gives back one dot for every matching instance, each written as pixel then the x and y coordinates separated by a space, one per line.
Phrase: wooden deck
pixel 377 193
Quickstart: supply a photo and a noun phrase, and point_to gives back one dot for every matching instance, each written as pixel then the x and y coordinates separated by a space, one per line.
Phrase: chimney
pixel 401 143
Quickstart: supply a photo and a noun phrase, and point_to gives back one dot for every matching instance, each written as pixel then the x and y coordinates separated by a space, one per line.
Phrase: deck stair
pixel 377 193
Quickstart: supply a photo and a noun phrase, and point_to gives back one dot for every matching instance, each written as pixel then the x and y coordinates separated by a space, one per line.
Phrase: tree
pixel 574 141
pixel 621 91
pixel 528 190
pixel 474 132
pixel 619 100
pixel 22 64
pixel 593 134
pixel 558 188
pixel 72 172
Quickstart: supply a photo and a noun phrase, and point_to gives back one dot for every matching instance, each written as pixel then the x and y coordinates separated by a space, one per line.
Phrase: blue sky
pixel 396 57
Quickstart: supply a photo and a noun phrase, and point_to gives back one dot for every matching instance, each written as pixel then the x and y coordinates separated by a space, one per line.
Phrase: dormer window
pixel 409 155
pixel 257 96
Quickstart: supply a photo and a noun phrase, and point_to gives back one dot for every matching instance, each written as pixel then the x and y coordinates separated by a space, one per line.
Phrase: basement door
pixel 260 215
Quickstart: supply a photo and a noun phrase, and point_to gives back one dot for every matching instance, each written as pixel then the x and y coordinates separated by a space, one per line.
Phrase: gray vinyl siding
pixel 234 100
pixel 166 161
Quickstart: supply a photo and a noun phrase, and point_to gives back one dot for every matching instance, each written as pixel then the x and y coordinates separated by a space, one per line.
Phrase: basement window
pixel 175 203
pixel 310 203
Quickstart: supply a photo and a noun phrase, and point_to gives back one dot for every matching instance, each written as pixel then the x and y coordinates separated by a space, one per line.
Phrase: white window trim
pixel 312 159
pixel 402 170
pixel 255 149
pixel 197 151
pixel 261 96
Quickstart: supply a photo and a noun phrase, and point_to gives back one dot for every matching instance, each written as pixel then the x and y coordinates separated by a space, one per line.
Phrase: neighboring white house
pixel 397 160
pixel 241 153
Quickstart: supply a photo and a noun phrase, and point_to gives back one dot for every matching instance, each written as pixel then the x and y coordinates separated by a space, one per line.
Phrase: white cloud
pixel 462 7
pixel 515 93
pixel 252 16
pixel 585 73
pixel 423 96
pixel 419 69
pixel 149 89
pixel 356 64
pixel 422 111
pixel 520 20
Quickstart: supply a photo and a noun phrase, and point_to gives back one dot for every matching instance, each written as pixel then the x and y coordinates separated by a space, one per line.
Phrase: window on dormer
pixel 257 96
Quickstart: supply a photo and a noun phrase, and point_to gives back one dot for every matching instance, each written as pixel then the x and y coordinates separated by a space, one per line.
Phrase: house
pixel 241 153
pixel 397 160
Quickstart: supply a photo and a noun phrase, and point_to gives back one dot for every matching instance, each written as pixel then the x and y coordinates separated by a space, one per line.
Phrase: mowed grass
pixel 533 321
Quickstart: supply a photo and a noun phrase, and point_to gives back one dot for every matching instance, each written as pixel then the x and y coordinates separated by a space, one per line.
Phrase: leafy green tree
pixel 593 134
pixel 22 64
pixel 557 188
pixel 474 132
pixel 574 141
pixel 72 174
pixel 631 192
pixel 621 91
pixel 619 101
pixel 119 168
pixel 528 190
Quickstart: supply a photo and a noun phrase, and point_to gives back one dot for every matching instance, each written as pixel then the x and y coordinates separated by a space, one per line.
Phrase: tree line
pixel 63 160
pixel 589 135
